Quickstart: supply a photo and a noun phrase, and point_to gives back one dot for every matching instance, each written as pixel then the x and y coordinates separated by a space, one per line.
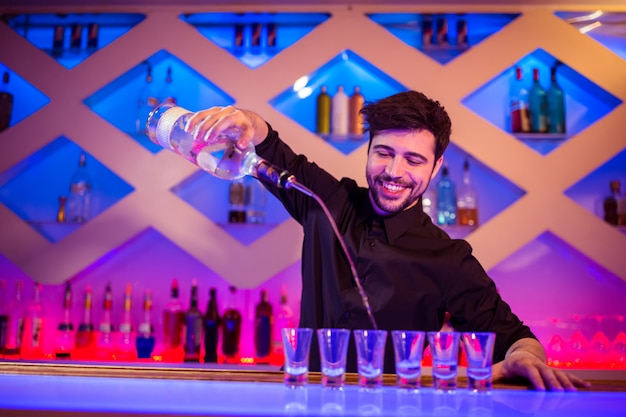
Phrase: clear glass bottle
pixel 231 328
pixel 322 119
pixel 467 199
pixel 78 202
pixel 556 105
pixel 222 157
pixel 64 341
pixel 34 328
pixel 126 331
pixel 105 344
pixel 193 327
pixel 538 105
pixel 340 113
pixel 173 325
pixel 6 102
pixel 211 328
pixel 263 329
pixel 446 199
pixel 86 335
pixel 284 319
pixel 145 341
pixel 519 112
pixel 429 203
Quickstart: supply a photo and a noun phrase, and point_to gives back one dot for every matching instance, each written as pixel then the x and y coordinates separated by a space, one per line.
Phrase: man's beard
pixel 391 206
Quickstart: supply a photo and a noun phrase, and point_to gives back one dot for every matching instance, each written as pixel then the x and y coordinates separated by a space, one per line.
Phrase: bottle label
pixel 35 339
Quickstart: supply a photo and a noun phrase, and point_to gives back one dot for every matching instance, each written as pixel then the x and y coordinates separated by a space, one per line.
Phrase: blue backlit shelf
pixel 192 91
pixel 254 38
pixel 348 70
pixel 585 102
pixel 608 28
pixel 32 188
pixel 72 38
pixel 26 98
pixel 443 36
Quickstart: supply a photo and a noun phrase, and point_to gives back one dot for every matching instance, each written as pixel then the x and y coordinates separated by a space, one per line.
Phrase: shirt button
pixel 372 244
pixel 346 314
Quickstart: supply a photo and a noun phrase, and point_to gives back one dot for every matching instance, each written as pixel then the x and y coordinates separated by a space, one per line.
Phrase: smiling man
pixel 411 271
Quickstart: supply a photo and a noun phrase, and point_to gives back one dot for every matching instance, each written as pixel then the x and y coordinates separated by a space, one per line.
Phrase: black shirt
pixel 411 271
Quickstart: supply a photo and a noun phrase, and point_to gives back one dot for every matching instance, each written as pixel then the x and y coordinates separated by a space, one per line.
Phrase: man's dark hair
pixel 409 110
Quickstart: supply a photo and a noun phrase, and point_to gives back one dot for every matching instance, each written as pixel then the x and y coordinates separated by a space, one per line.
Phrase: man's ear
pixel 438 164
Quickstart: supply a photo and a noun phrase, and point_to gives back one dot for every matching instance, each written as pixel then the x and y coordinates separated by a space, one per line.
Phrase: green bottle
pixel 538 105
pixel 323 112
pixel 556 105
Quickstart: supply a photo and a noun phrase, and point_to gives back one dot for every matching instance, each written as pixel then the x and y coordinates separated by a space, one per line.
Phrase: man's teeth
pixel 393 187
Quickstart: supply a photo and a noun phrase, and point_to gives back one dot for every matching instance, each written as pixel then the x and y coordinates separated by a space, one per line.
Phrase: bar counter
pixel 33 388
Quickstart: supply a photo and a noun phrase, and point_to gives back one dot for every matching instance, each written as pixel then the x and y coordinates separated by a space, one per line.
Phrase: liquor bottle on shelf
pixel 34 328
pixel 263 329
pixel 106 345
pixel 6 102
pixel 86 334
pixel 256 199
pixel 126 337
pixel 61 211
pixel 237 201
pixel 429 203
pixel 92 37
pixel 145 331
pixel 340 109
pixel 168 95
pixel 467 199
pixel 519 111
pixel 58 41
pixel 238 39
pixel 356 119
pixel 64 341
pixel 78 202
pixel 610 203
pixel 427 31
pixel 441 36
pixel 271 36
pixel 211 328
pixel 446 199
pixel 255 37
pixel 147 101
pixel 284 319
pixel 461 33
pixel 173 326
pixel 4 316
pixel 556 104
pixel 76 37
pixel 193 327
pixel 538 105
pixel 621 209
pixel 231 328
pixel 324 104
pixel 15 325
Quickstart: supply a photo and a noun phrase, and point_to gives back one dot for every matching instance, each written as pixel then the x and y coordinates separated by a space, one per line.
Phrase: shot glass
pixel 370 353
pixel 333 344
pixel 296 344
pixel 408 347
pixel 479 353
pixel 444 348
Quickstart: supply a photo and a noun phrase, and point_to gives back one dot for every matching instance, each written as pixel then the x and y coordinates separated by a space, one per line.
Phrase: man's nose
pixel 394 168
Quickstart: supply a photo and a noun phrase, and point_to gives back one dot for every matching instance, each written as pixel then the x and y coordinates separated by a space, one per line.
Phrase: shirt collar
pixel 395 225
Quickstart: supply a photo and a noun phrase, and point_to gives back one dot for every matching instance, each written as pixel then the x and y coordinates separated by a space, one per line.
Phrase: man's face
pixel 400 165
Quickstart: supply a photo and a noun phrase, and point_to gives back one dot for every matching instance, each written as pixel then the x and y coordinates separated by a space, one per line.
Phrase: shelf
pixel 31 188
pixel 585 101
pixel 254 38
pixel 192 91
pixel 347 69
pixel 72 38
pixel 460 31
pixel 26 98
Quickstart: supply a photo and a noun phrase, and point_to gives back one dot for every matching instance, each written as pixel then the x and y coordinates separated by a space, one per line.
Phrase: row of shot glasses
pixel 408 348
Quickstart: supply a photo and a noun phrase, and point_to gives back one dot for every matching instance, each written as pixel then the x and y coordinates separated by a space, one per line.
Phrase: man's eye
pixel 383 154
pixel 414 162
